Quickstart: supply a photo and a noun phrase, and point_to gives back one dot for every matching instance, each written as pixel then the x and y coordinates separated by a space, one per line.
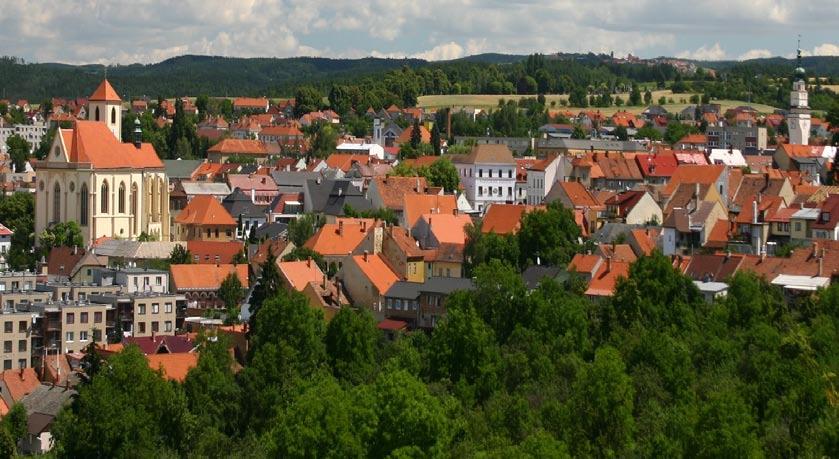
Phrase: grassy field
pixel 832 87
pixel 490 101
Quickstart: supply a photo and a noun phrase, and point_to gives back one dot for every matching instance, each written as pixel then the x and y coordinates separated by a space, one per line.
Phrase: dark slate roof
pixel 293 179
pixel 439 285
pixel 47 399
pixel 181 168
pixel 610 231
pixel 533 275
pixel 271 230
pixel 248 168
pixel 590 144
pixel 238 203
pixel 330 196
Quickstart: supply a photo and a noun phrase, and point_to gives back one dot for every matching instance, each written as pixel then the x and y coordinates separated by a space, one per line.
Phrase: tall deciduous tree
pixel 231 293
pixel 180 255
pixel 548 236
pixel 212 394
pixel 351 342
pixel 19 150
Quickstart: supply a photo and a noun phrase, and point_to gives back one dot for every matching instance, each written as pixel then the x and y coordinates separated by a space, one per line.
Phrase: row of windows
pixel 22 326
pixel 402 305
pixel 83 317
pixel 21 346
pixel 158 280
pixel 491 191
pixel 155 327
pixel 15 285
pixel 155 308
pixel 7 364
pixel 104 201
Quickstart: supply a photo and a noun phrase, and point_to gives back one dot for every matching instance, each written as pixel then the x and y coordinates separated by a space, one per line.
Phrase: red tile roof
pixel 250 102
pixel 660 165
pixel 705 175
pixel 417 204
pixel 300 273
pixel 204 210
pixel 161 344
pixel 377 271
pixel 448 228
pixel 105 93
pixel 344 161
pixel 504 218
pixel 174 367
pixel 205 277
pixel 239 147
pixel 93 143
pixel 20 383
pixel 604 281
pixel 392 190
pixel 405 137
pixel 694 139
pixel 207 251
pixel 578 194
pixel 338 238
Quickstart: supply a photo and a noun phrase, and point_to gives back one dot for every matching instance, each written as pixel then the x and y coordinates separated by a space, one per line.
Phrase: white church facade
pixel 112 189
pixel 798 119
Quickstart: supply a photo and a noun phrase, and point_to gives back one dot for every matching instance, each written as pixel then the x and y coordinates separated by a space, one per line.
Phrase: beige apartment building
pixel 16 338
pixel 141 315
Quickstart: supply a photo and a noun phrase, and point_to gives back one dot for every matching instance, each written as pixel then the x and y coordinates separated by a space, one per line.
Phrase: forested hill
pixel 403 78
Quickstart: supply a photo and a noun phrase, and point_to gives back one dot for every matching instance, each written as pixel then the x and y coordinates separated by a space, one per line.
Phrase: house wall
pixel 15 340
pixel 359 288
pixel 645 210
pixel 443 269
pixel 146 321
pixel 82 325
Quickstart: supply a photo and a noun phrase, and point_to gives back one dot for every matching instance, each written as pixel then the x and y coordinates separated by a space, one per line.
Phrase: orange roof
pixel 618 252
pixel 393 189
pixel 174 366
pixel 504 218
pixel 204 210
pixel 4 408
pixel 254 102
pixel 300 273
pixel 718 237
pixel 20 383
pixel 578 194
pixel 344 161
pixel 205 277
pixel 377 271
pixel 448 228
pixel 801 151
pixel 584 263
pixel 206 251
pixel 105 93
pixel 415 205
pixel 694 139
pixel 93 143
pixel 690 173
pixel 604 281
pixel 645 238
pixel 338 238
pixel 421 161
pixel 405 137
pixel 239 147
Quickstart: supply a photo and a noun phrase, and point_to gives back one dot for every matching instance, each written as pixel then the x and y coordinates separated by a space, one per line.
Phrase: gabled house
pixel 389 192
pixel 367 278
pixel 205 219
pixel 634 208
pixel 504 218
pixel 248 215
pixel 415 205
pixel 336 241
pixel 690 227
pixel 422 305
pixel 403 254
pixel 541 176
pixel 331 197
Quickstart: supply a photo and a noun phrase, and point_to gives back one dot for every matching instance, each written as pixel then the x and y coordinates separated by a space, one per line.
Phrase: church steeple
pixel 798 119
pixel 105 106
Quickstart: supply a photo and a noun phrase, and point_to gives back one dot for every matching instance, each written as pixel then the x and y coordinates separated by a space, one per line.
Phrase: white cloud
pixel 444 52
pixel 826 49
pixel 704 53
pixel 755 54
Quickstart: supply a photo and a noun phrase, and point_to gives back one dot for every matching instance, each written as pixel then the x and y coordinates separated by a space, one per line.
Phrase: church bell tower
pixel 105 106
pixel 798 119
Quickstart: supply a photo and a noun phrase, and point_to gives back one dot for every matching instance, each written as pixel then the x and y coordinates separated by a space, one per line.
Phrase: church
pixel 112 189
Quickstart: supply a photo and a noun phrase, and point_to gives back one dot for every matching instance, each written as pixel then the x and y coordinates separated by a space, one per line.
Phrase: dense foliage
pixel 653 372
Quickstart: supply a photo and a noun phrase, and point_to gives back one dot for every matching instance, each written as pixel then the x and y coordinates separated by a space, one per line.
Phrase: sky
pixel 148 31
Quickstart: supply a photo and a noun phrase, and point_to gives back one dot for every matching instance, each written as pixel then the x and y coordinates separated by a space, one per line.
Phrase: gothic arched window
pixel 83 205
pixel 56 203
pixel 113 115
pixel 103 199
pixel 134 205
pixel 96 116
pixel 121 198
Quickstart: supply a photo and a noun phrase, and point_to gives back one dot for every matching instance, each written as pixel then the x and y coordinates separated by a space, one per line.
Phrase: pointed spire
pixel 105 93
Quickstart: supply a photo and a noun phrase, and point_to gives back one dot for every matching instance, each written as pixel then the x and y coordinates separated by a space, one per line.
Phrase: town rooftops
pixel 392 190
pixel 437 285
pixel 338 238
pixel 504 218
pixel 214 251
pixel 448 228
pixel 415 205
pixel 174 367
pixel 204 210
pixel 377 271
pixel 300 273
pixel 159 344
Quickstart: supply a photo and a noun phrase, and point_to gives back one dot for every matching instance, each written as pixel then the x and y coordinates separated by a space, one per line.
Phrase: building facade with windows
pixel 488 175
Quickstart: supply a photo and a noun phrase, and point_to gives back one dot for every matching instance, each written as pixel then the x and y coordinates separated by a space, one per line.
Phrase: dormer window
pixel 825 217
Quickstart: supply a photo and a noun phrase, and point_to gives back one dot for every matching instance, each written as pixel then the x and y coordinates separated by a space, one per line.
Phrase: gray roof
pixel 271 230
pixel 181 168
pixel 590 144
pixel 610 231
pixel 533 275
pixel 330 196
pixel 211 188
pixel 47 399
pixel 135 250
pixel 237 203
pixel 438 285
pixel 293 179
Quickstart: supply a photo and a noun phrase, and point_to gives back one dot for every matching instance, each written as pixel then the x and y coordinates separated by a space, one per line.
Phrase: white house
pixel 729 157
pixel 541 177
pixel 370 149
pixel 488 175
pixel 5 245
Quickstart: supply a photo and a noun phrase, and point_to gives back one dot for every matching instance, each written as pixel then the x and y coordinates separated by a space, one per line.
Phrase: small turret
pixel 138 133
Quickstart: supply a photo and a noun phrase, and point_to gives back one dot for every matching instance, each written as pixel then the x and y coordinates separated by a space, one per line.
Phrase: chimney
pixel 608 264
pixel 754 212
pixel 363 226
pixel 309 262
pixel 455 211
pixel 365 256
pixel 340 227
